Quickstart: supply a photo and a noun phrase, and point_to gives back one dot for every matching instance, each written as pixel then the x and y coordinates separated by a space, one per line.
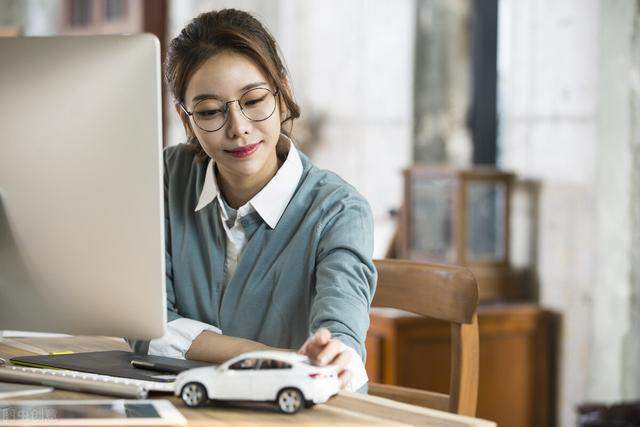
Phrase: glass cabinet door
pixel 485 221
pixel 431 218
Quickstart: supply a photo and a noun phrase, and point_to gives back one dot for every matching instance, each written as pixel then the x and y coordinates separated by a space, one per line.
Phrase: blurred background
pixel 541 95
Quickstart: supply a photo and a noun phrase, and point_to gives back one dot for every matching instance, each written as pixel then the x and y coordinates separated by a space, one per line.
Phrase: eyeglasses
pixel 210 114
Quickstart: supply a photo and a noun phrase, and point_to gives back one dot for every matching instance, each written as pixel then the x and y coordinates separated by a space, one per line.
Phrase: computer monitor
pixel 81 207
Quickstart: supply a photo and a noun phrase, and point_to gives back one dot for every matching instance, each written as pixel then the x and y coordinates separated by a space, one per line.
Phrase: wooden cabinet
pixel 516 359
pixel 462 217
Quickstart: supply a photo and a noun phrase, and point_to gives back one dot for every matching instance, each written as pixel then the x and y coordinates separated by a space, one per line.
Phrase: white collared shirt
pixel 270 204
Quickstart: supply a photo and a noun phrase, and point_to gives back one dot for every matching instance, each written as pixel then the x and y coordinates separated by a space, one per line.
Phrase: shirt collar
pixel 272 200
pixel 209 188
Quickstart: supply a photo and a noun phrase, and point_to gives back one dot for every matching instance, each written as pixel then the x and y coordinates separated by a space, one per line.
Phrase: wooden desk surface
pixel 346 409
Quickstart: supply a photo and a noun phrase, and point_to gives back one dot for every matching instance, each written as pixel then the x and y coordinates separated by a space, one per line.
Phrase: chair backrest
pixel 443 292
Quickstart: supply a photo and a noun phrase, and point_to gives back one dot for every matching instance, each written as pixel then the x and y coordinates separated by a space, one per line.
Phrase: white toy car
pixel 287 378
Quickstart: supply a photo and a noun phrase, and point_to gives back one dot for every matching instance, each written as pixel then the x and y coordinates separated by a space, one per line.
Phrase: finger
pixel 341 360
pixel 315 343
pixel 345 378
pixel 329 352
pixel 319 338
pixel 322 336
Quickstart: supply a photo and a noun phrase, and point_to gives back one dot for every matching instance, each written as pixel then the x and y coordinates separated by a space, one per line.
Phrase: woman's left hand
pixel 321 349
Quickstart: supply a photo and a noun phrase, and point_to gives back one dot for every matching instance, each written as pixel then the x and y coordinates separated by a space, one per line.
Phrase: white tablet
pixel 89 412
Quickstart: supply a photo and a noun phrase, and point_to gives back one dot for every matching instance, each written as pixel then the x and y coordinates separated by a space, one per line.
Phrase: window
pixel 273 364
pixel 244 364
pixel 114 9
pixel 80 13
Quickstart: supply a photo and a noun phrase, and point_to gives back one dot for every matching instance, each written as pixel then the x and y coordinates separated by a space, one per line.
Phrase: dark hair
pixel 225 30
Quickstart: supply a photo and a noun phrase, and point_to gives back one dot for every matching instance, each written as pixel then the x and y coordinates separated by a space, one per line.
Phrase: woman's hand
pixel 321 349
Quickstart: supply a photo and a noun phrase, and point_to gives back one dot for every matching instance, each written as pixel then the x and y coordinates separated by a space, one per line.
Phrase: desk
pixel 346 409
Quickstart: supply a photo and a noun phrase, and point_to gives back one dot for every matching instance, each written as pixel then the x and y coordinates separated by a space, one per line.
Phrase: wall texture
pixel 615 363
pixel 568 74
pixel 442 80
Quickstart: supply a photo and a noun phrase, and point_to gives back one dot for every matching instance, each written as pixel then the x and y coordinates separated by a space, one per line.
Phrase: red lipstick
pixel 243 152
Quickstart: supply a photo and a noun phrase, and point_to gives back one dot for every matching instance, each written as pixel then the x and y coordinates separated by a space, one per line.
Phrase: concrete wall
pixel 568 75
pixel 631 356
pixel 615 362
pixel 442 82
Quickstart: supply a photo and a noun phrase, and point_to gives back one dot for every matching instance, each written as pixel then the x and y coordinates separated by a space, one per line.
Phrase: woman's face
pixel 241 148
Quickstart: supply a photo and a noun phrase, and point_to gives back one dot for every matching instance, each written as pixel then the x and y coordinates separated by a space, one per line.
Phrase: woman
pixel 264 250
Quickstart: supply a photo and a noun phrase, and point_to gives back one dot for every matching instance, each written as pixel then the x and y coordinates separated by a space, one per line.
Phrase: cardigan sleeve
pixel 345 277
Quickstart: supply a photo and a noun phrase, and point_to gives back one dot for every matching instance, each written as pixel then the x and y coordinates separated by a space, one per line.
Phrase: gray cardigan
pixel 312 270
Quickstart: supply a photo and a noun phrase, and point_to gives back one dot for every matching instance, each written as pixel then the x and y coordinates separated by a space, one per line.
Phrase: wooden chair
pixel 444 292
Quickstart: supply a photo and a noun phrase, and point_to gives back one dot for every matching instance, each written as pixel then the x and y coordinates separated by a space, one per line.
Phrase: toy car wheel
pixel 193 394
pixel 290 400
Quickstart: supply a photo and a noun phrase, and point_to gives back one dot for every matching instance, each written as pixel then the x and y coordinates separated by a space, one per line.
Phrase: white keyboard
pixel 84 382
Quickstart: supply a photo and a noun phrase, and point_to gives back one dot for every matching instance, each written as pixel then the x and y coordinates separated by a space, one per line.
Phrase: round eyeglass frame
pixel 227 107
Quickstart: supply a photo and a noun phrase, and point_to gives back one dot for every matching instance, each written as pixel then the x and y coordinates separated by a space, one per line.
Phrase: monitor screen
pixel 81 210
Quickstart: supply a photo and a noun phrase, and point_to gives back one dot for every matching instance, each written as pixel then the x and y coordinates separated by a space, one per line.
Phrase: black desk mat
pixel 115 363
